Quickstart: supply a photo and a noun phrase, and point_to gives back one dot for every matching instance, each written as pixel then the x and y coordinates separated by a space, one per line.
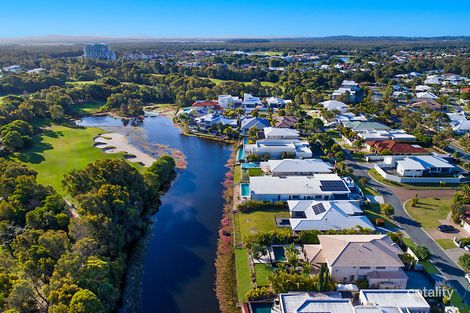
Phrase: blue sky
pixel 240 18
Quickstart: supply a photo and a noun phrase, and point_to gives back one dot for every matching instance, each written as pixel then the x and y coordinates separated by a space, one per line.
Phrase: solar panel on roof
pixel 333 185
pixel 318 208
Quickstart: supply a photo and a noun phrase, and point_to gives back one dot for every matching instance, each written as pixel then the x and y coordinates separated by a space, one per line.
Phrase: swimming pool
pixel 245 190
pixel 261 307
pixel 278 252
pixel 240 154
pixel 249 165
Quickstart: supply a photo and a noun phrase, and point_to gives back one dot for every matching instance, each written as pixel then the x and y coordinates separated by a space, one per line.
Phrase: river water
pixel 179 272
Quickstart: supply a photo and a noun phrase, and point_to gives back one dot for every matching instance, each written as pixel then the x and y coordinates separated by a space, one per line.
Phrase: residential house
pixel 372 301
pixel 426 95
pixel 277 148
pixel 275 102
pixel 326 215
pixel 279 133
pixel 423 165
pixel 347 87
pixel 250 102
pixel 318 187
pixel 210 120
pixel 418 169
pixel 394 147
pixel 465 218
pixel 248 123
pixel 332 105
pixel 427 104
pixel 296 167
pixel 228 101
pixel 286 121
pixel 381 135
pixel 459 122
pixel 358 126
pixel 349 258
pixel 406 300
pixel 207 105
pixel 347 117
pixel 308 302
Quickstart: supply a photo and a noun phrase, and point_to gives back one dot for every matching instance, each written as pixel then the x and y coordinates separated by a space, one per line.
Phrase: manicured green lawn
pixel 429 211
pixel 243 274
pixel 237 174
pixel 257 221
pixel 255 172
pixel 262 272
pixel 446 243
pixel 61 149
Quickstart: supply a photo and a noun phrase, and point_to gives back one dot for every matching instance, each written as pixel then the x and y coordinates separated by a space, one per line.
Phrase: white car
pixel 467 276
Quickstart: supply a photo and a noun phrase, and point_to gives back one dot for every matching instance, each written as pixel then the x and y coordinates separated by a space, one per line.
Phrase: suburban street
pixel 453 274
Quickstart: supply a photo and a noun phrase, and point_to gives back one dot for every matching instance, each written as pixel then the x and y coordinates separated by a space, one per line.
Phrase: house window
pixel 362 277
pixel 380 267
pixel 364 267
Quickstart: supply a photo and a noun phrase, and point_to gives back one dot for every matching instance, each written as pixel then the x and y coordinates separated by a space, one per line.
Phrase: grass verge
pixel 428 211
pixel 243 274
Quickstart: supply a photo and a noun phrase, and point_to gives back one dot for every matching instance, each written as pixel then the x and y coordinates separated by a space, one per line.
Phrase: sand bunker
pixel 115 143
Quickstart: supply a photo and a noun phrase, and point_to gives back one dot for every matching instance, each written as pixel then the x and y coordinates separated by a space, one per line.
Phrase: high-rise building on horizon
pixel 99 51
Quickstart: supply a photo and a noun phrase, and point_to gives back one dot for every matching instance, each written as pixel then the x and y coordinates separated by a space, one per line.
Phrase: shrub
pixel 260 293
pixel 281 236
pixel 464 260
pixel 254 205
pixel 362 283
pixel 387 209
pixel 282 281
pixel 422 252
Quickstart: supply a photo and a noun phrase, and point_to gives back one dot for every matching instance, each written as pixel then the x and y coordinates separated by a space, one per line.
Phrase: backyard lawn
pixel 61 149
pixel 255 171
pixel 253 222
pixel 429 211
pixel 243 273
pixel 237 174
pixel 262 272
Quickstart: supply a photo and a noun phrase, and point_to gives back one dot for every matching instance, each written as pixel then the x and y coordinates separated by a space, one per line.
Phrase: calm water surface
pixel 179 270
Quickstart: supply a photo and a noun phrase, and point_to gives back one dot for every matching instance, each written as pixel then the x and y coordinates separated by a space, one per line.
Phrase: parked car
pixel 446 228
pixel 467 276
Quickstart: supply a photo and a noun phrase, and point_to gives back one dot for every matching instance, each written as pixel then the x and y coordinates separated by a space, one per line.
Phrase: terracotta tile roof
pixel 396 147
pixel 207 103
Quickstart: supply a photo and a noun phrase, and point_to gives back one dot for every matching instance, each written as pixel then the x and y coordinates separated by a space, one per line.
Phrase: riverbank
pixel 207 136
pixel 226 282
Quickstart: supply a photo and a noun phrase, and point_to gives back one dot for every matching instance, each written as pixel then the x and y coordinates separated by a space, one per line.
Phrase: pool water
pixel 249 165
pixel 261 307
pixel 279 255
pixel 245 190
pixel 240 154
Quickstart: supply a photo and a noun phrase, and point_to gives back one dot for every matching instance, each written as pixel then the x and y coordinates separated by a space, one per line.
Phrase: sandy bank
pixel 115 143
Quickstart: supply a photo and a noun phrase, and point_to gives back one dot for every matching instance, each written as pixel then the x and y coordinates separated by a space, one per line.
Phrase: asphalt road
pixel 453 274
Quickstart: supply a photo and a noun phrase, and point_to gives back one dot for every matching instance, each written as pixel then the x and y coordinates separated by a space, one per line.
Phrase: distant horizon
pixel 230 19
pixel 80 39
